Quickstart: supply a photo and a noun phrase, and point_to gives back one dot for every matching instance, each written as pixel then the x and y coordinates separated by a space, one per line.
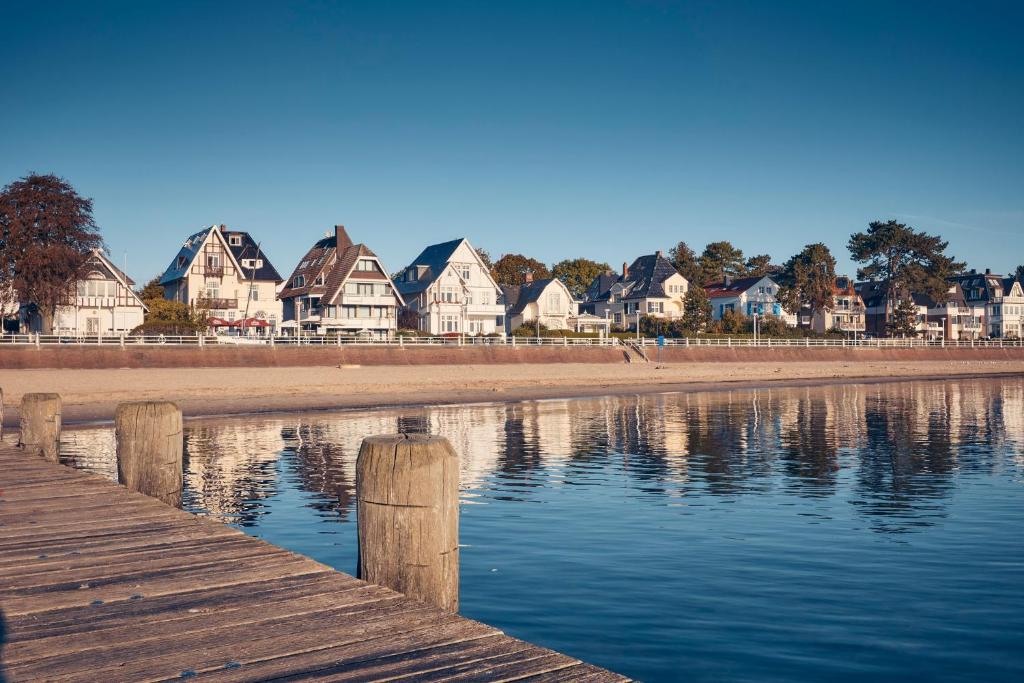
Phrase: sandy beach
pixel 92 395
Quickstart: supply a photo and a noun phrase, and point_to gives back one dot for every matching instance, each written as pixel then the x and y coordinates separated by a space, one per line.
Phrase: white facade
pixel 451 291
pixel 1006 312
pixel 206 275
pixel 103 303
pixel 748 296
pixel 547 302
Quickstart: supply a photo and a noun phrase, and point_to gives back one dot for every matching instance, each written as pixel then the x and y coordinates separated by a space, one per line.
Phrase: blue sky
pixel 556 129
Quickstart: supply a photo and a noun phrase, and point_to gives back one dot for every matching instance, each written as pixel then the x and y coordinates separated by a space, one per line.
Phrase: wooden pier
pixel 101 584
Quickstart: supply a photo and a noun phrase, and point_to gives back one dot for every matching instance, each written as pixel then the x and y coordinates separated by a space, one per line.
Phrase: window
pixel 554 302
pixel 254 293
pixel 366 265
pixel 235 240
pixel 213 260
pixel 364 289
pixel 655 307
pixel 212 291
pixel 231 315
pixel 299 281
pixel 319 280
pixel 181 261
pixel 465 271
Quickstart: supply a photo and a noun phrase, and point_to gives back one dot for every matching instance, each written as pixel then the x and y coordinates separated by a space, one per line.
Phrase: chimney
pixel 988 271
pixel 728 280
pixel 223 228
pixel 625 270
pixel 659 253
pixel 341 239
pixel 529 277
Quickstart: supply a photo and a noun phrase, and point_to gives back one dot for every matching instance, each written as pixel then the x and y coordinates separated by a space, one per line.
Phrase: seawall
pixel 93 358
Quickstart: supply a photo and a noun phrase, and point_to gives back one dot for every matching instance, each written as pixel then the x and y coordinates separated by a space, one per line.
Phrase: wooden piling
pixel 149 449
pixel 407 492
pixel 40 425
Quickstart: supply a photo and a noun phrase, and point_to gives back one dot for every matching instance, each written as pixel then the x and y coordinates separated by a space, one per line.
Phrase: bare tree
pixel 46 234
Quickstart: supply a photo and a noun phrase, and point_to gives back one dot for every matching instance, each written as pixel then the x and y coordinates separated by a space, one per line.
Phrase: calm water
pixel 853 532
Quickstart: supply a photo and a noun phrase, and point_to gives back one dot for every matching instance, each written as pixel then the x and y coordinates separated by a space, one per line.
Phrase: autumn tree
pixel 511 269
pixel 903 322
pixel 686 262
pixel 904 260
pixel 696 311
pixel 720 259
pixel 152 290
pixel 807 279
pixel 761 265
pixel 47 233
pixel 486 258
pixel 578 273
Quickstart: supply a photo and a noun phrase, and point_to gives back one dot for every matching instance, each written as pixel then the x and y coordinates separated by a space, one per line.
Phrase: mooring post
pixel 149 449
pixel 1 412
pixel 407 503
pixel 40 425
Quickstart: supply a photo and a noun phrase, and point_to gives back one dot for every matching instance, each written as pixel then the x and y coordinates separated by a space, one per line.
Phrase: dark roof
pixel 980 287
pixel 429 265
pixel 647 277
pixel 509 295
pixel 600 288
pixel 325 258
pixel 248 249
pixel 734 286
pixel 190 249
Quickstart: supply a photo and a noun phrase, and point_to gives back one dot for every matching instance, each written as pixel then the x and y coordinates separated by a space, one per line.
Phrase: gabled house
pixel 226 273
pixel 1006 313
pixel 449 290
pixel 103 302
pixel 995 306
pixel 547 302
pixel 650 286
pixel 341 288
pixel 845 315
pixel 747 296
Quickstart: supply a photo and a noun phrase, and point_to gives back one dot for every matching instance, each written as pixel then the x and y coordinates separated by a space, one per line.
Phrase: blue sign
pixel 661 340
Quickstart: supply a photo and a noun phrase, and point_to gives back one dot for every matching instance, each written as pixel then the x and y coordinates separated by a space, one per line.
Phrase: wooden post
pixel 407 502
pixel 40 425
pixel 149 449
pixel 1 412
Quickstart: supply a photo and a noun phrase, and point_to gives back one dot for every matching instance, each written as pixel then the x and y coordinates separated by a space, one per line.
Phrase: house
pixel 341 288
pixel 448 290
pixel 984 294
pixel 102 303
pixel 547 302
pixel 846 314
pixel 226 273
pixel 747 296
pixel 650 286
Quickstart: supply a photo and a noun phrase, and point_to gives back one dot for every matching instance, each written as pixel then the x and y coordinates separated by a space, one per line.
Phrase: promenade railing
pixel 40 340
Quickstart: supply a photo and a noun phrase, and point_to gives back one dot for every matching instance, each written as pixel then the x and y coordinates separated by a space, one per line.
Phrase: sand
pixel 92 395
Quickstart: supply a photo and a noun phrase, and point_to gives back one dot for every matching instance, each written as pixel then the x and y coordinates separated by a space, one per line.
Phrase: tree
pixel 577 274
pixel 1019 274
pixel 696 311
pixel 686 262
pixel 761 265
pixel 486 258
pixel 720 259
pixel 153 290
pixel 732 322
pixel 511 269
pixel 808 279
pixel 47 233
pixel 903 322
pixel 906 261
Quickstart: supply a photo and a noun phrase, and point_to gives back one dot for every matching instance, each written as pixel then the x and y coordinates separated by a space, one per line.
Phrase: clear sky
pixel 556 129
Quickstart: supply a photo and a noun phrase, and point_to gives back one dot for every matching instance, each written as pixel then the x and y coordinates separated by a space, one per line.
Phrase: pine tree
pixel 696 311
pixel 903 321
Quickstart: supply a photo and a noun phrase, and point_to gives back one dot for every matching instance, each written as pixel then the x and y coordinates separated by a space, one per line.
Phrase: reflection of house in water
pixel 230 466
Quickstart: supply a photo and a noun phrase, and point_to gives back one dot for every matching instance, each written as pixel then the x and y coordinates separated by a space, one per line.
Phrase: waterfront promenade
pixel 98 583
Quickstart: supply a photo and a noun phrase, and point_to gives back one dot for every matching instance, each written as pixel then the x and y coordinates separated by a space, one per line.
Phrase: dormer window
pixel 319 280
pixel 181 261
pixel 299 281
pixel 235 240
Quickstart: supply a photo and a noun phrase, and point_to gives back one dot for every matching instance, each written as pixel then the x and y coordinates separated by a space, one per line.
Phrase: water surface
pixel 832 533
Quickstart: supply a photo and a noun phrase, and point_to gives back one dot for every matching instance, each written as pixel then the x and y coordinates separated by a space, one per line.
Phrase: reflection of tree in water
pixel 519 461
pixel 319 465
pixel 904 471
pixel 807 449
pixel 718 433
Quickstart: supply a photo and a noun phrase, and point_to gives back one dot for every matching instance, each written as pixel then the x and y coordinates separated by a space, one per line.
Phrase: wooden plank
pixel 101 584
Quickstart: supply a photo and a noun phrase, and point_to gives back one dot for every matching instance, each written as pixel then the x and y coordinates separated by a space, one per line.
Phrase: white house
pixel 341 288
pixel 651 286
pixel 747 296
pixel 1006 311
pixel 846 314
pixel 448 289
pixel 226 273
pixel 102 303
pixel 548 302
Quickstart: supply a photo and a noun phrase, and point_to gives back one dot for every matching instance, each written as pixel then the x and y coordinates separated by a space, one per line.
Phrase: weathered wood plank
pixel 98 583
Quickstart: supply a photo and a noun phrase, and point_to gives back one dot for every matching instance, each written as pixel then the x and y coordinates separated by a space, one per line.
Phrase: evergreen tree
pixel 686 262
pixel 903 321
pixel 696 316
pixel 808 279
pixel 720 259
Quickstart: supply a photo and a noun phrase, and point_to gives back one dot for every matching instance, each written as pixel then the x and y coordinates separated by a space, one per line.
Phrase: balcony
pixel 851 326
pixel 216 304
pixel 213 271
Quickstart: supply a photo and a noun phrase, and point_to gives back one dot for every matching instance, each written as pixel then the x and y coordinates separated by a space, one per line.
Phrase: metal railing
pixel 125 340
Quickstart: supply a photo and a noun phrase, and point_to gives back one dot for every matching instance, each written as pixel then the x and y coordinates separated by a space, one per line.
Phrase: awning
pixel 251 322
pixel 218 322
